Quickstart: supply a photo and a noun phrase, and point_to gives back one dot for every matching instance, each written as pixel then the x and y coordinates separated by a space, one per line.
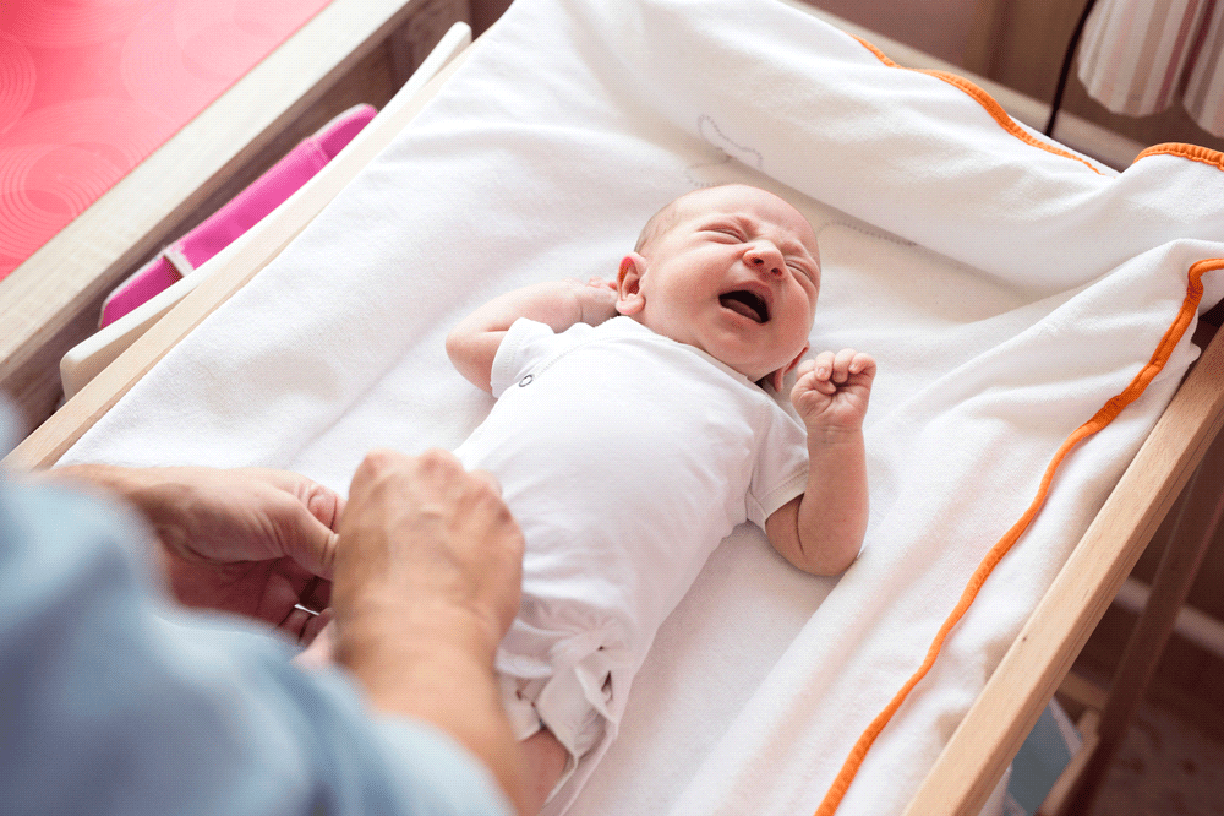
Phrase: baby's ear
pixel 629 297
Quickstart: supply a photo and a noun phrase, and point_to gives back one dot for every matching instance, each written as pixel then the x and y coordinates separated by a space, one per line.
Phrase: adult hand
pixel 429 547
pixel 427 582
pixel 253 541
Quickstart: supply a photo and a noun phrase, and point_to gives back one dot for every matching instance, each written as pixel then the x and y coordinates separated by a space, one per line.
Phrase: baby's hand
pixel 597 298
pixel 832 390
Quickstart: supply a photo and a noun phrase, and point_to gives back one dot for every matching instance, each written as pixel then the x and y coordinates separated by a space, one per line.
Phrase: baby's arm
pixel 822 530
pixel 473 344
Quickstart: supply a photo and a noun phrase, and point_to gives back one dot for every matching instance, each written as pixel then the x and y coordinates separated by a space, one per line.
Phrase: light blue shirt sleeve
pixel 113 700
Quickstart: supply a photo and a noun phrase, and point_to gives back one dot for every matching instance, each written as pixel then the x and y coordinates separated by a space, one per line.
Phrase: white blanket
pixel 1008 292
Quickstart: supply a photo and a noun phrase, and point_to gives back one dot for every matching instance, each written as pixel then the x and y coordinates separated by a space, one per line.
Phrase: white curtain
pixel 1140 56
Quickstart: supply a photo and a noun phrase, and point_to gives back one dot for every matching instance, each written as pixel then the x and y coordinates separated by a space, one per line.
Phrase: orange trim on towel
pixel 988 102
pixel 1203 155
pixel 1106 415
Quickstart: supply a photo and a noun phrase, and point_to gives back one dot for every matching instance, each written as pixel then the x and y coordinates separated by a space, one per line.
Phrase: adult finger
pixel 307 524
pixel 488 479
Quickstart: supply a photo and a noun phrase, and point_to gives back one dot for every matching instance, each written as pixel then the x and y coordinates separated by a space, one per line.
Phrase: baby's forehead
pixel 746 203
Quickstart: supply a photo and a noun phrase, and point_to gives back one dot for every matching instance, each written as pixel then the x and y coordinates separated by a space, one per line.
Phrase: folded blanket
pixel 1009 289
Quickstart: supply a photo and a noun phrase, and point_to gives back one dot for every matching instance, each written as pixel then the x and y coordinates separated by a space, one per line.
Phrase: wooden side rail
pixel 1199 514
pixel 1024 682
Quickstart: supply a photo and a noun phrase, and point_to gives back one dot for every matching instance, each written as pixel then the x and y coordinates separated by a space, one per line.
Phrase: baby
pixel 632 432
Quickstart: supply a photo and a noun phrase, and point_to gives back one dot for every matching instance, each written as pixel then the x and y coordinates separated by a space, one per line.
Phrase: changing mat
pixel 1012 291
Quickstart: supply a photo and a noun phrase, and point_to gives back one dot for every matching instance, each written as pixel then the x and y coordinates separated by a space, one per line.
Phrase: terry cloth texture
pixel 1009 289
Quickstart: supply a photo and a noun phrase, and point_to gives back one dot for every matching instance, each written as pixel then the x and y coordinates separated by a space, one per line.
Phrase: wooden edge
pixel 1081 693
pixel 233 268
pixel 1020 688
pixel 1195 522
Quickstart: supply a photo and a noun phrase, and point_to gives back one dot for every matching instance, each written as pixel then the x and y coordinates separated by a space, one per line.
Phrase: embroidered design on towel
pixel 706 174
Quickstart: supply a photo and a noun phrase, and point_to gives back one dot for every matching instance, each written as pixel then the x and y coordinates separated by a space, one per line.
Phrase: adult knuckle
pixel 516 544
pixel 486 482
pixel 376 462
pixel 433 456
pixel 436 460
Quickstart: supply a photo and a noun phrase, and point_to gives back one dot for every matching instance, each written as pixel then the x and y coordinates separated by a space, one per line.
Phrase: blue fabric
pixel 112 700
pixel 1039 762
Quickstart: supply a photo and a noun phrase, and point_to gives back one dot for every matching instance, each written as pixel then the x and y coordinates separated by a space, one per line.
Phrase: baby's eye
pixel 800 269
pixel 727 231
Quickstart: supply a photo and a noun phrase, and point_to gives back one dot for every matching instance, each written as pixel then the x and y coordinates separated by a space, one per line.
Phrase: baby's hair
pixel 667 217
pixel 658 224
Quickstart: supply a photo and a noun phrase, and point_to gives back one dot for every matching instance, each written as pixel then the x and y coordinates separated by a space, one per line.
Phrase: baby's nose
pixel 765 258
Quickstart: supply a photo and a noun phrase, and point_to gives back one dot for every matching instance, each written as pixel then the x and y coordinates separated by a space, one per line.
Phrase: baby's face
pixel 737 275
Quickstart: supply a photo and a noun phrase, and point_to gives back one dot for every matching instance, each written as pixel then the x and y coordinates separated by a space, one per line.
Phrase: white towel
pixel 1007 287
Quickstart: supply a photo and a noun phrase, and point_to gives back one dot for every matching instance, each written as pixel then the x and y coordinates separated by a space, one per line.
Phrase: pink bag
pixel 237 216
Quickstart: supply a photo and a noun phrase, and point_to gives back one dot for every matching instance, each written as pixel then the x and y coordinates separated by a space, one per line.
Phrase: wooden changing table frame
pixel 991 733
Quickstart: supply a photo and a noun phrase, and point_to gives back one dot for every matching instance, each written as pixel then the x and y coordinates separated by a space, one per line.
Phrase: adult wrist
pixel 147 496
pixel 376 630
pixel 113 479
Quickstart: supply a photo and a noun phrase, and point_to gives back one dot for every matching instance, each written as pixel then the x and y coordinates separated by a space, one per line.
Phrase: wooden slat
pixel 1022 685
pixel 1062 787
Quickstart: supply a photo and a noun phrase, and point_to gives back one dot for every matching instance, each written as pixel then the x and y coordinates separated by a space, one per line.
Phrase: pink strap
pixel 241 213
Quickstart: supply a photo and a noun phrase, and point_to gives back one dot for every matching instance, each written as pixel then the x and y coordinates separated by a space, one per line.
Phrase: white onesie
pixel 626 457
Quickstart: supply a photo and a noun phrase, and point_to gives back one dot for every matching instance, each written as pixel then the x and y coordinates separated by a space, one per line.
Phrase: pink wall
pixel 89 89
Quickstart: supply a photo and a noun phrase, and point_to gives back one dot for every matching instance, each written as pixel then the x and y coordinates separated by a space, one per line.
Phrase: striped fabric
pixel 1140 56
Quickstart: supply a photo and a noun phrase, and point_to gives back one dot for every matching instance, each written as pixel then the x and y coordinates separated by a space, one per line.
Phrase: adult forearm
pixel 112 479
pixel 435 666
pixel 134 486
pixel 428 577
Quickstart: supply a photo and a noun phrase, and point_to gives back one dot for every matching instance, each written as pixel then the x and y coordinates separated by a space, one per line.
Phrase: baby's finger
pixel 823 365
pixel 841 365
pixel 826 387
pixel 808 385
pixel 863 363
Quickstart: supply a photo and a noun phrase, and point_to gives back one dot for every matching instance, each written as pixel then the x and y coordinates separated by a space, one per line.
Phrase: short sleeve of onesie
pixel 526 343
pixel 781 469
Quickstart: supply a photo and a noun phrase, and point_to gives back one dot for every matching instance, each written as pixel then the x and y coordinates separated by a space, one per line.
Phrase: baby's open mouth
pixel 749 304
